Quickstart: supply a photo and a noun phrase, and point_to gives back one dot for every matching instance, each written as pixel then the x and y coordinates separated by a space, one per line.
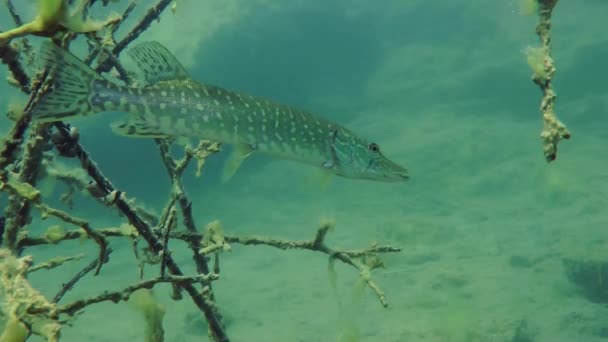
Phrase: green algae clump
pixel 528 7
pixel 22 189
pixel 54 16
pixel 153 312
pixel 535 56
pixel 54 234
pixel 14 331
pixel 50 11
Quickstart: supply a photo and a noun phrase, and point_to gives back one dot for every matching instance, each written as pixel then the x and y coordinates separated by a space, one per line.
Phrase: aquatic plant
pixel 153 313
pixel 25 158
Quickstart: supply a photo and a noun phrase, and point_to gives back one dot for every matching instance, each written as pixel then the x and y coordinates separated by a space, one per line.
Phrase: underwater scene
pixel 303 170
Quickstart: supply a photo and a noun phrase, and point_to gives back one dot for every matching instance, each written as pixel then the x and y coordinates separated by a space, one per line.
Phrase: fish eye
pixel 374 147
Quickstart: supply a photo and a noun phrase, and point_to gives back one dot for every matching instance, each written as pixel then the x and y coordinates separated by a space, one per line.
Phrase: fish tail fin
pixel 73 86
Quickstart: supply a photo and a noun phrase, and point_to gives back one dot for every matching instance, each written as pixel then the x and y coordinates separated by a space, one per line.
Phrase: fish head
pixel 357 158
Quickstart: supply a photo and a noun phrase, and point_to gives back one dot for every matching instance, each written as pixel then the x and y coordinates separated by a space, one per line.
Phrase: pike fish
pixel 170 104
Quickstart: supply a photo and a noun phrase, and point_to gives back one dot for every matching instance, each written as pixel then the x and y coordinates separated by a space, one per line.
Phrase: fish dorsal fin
pixel 139 128
pixel 241 151
pixel 156 63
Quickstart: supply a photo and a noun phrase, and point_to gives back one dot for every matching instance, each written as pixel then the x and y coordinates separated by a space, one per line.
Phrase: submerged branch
pixel 18 209
pixel 124 294
pixel 84 225
pixel 54 262
pixel 152 15
pixel 318 244
pixel 367 256
pixel 175 169
pixel 553 129
pixel 88 268
pixel 118 199
pixel 22 302
pixel 11 9
pixel 20 78
pixel 26 193
pixel 103 185
pixel 362 259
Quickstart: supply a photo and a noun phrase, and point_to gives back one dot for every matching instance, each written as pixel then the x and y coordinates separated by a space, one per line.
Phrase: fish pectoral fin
pixel 138 129
pixel 325 179
pixel 241 151
pixel 156 63
pixel 324 175
pixel 318 180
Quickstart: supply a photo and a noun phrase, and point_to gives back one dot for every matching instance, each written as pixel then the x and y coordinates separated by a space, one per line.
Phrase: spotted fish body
pixel 188 108
pixel 171 104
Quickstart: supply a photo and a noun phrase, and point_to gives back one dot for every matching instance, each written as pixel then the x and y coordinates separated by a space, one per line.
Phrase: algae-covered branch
pixel 542 64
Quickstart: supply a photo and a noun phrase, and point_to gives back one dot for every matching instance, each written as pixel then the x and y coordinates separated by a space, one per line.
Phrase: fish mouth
pixel 398 177
pixel 396 173
pixel 404 176
pixel 393 176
